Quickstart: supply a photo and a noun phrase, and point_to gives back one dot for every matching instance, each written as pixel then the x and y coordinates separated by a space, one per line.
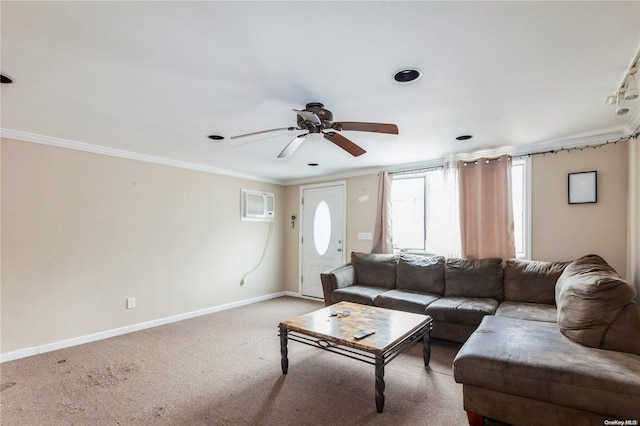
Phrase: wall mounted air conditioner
pixel 257 205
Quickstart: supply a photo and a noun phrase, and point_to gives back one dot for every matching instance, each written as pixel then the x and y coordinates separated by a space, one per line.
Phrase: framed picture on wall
pixel 583 187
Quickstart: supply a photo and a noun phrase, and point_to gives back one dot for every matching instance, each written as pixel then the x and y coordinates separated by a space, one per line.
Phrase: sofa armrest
pixel 340 277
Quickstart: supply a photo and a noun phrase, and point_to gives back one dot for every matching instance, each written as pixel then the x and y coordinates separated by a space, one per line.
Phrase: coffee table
pixel 332 329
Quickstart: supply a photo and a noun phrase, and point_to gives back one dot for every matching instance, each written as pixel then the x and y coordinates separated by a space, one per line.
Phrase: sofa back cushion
pixel 474 278
pixel 596 306
pixel 375 269
pixel 532 281
pixel 421 273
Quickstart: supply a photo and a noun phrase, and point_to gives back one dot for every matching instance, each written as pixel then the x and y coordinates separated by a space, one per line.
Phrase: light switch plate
pixel 365 235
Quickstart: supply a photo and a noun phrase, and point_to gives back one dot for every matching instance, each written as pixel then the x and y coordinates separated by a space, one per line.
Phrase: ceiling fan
pixel 316 119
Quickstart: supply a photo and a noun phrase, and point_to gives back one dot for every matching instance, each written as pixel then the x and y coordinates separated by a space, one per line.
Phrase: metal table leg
pixel 426 351
pixel 379 383
pixel 284 362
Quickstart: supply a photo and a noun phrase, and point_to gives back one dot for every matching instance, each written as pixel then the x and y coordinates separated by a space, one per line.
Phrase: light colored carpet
pixel 224 369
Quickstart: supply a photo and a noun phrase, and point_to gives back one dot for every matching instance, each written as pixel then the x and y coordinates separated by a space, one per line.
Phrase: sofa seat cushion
pixel 532 359
pixel 362 294
pixel 528 311
pixel 405 300
pixel 373 269
pixel 461 310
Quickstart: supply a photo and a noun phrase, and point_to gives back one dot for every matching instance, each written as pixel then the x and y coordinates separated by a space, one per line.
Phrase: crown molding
pixel 121 153
pixel 513 151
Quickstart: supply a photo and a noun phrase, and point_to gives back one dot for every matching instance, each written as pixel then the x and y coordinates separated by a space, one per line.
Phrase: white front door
pixel 323 228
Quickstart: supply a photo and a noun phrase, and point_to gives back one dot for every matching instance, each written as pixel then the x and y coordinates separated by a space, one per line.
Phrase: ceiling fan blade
pixel 308 116
pixel 293 146
pixel 366 127
pixel 344 143
pixel 264 131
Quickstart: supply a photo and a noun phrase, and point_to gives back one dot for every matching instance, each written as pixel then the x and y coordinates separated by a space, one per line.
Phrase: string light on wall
pixel 628 89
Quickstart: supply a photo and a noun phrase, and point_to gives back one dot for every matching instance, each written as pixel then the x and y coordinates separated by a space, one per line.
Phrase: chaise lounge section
pixel 584 369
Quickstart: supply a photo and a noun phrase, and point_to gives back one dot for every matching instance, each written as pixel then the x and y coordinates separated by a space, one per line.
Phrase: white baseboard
pixel 48 347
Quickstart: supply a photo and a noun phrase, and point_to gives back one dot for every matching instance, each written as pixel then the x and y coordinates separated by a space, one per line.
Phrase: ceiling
pixel 154 79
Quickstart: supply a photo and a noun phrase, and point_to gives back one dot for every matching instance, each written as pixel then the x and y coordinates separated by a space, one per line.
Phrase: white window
pixel 408 209
pixel 521 197
pixel 421 211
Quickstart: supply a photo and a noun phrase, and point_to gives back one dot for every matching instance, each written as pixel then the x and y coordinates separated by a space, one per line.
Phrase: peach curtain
pixel 486 210
pixel 382 235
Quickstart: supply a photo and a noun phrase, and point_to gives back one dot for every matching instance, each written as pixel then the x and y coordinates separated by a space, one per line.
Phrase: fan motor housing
pixel 323 114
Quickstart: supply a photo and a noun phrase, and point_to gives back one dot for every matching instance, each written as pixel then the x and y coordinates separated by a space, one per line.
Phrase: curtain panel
pixel 382 231
pixel 451 247
pixel 486 209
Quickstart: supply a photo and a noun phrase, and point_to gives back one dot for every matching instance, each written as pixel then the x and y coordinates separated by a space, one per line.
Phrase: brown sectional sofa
pixel 456 293
pixel 544 342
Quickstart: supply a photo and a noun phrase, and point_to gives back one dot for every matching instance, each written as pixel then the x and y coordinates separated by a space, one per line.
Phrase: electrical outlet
pixel 131 302
pixel 243 282
pixel 365 235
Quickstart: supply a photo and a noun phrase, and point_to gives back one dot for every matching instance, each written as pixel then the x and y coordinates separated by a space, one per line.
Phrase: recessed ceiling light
pixel 464 137
pixel 216 137
pixel 407 75
pixel 313 164
pixel 5 79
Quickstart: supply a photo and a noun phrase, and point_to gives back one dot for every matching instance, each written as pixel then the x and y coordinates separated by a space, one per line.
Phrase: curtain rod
pixel 634 136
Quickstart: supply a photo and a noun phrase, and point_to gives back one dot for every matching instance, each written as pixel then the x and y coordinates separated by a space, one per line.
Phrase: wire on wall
pixel 243 281
pixel 581 148
pixel 622 139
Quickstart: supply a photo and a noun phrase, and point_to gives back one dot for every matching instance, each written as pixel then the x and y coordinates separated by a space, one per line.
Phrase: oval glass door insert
pixel 322 228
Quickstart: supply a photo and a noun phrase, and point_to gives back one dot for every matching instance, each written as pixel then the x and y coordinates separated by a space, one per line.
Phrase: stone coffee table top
pixel 341 321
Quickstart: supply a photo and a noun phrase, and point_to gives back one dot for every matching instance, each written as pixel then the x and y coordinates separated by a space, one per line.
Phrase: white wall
pixel 563 231
pixel 633 255
pixel 82 232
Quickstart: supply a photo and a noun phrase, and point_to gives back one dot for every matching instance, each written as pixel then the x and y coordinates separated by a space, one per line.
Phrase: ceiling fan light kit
pixel 632 88
pixel 316 119
pixel 621 106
